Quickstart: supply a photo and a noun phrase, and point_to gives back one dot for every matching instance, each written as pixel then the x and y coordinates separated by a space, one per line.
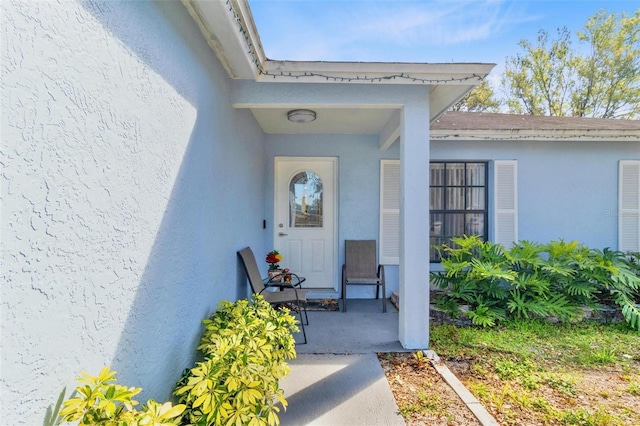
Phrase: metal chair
pixel 289 294
pixel 360 269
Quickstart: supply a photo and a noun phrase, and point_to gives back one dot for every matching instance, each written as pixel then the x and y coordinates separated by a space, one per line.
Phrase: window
pixel 305 201
pixel 458 201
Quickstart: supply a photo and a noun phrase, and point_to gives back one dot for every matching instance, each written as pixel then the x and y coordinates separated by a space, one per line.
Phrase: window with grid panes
pixel 458 201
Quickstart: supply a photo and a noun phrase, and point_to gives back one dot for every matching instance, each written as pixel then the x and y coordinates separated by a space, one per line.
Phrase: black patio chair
pixel 288 295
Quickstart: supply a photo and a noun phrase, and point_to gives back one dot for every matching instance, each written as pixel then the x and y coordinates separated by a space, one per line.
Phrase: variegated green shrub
pixel 245 346
pixel 100 401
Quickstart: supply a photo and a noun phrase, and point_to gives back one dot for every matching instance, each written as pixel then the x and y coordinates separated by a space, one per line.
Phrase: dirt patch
pixel 423 397
pixel 570 396
pixel 566 396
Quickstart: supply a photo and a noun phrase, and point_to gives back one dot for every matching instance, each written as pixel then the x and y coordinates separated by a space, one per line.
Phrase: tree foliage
pixel 610 75
pixel 541 81
pixel 480 99
pixel 550 77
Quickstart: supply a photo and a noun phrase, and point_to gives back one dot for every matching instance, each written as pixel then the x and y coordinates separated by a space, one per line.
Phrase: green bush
pixel 101 401
pixel 533 279
pixel 245 347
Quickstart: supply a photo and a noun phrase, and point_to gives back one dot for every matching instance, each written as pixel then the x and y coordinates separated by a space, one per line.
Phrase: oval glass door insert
pixel 305 200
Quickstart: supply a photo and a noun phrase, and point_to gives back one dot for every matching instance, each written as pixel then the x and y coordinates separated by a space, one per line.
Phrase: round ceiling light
pixel 301 115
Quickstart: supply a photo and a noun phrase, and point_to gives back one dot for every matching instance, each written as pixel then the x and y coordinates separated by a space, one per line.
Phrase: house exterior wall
pixel 123 168
pixel 566 189
pixel 358 188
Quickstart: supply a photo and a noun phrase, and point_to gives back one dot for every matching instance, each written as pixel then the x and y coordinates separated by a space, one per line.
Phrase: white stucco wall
pixel 124 169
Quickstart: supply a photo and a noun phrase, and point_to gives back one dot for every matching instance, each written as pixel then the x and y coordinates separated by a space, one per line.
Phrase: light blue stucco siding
pixel 358 188
pixel 129 183
pixel 566 189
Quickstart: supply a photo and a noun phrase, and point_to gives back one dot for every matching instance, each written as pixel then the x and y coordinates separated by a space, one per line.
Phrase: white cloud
pixel 437 23
pixel 379 30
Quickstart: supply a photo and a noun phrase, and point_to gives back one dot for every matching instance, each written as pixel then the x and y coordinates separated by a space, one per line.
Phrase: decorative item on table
pixel 273 258
pixel 287 275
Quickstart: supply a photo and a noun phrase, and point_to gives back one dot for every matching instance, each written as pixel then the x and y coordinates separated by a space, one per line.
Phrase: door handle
pixel 282 234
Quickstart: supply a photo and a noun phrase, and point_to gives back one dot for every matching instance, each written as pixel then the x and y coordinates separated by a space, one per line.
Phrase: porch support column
pixel 414 226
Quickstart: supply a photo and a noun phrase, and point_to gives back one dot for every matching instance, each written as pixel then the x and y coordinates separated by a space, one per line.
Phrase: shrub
pixel 633 262
pixel 533 279
pixel 245 346
pixel 102 402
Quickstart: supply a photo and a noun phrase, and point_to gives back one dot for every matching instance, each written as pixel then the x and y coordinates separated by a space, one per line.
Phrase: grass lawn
pixel 537 373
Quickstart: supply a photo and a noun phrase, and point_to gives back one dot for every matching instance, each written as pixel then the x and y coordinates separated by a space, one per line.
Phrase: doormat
pixel 323 305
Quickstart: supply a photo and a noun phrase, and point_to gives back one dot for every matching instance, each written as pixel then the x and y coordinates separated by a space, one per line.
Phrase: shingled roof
pixel 494 126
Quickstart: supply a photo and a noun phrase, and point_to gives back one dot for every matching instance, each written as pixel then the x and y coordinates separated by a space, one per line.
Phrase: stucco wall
pixel 124 169
pixel 566 189
pixel 358 188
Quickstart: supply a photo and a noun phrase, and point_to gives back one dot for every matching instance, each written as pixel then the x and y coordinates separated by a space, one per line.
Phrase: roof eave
pixel 594 135
pixel 230 30
pixel 375 72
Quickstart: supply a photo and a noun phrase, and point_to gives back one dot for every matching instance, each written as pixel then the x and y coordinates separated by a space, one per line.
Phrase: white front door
pixel 306 219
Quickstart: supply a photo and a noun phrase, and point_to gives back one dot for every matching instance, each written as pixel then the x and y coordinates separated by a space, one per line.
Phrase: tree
pixel 541 81
pixel 610 76
pixel 480 99
pixel 550 78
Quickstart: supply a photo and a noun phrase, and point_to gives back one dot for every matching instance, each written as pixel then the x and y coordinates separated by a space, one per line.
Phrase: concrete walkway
pixel 337 379
pixel 336 390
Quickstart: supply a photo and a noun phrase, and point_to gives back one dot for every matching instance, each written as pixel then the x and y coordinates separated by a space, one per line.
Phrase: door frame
pixel 336 197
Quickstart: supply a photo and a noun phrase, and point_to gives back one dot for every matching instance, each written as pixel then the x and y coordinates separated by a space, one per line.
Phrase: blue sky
pixel 415 31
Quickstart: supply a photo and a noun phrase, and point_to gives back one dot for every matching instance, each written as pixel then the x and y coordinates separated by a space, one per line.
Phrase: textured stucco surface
pixel 123 168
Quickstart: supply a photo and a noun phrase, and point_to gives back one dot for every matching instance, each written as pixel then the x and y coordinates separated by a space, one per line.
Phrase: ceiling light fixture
pixel 301 115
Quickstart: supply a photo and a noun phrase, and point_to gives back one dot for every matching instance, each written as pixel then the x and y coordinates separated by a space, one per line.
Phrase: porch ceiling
pixel 354 114
pixel 328 120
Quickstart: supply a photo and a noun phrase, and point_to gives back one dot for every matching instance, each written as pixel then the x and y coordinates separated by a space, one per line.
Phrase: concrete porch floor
pixel 362 329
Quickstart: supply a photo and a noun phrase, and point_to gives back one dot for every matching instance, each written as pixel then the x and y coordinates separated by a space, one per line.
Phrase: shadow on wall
pixel 179 286
pixel 182 282
pixel 190 266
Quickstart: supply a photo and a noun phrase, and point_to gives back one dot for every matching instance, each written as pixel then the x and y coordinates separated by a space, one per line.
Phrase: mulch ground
pixel 422 395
